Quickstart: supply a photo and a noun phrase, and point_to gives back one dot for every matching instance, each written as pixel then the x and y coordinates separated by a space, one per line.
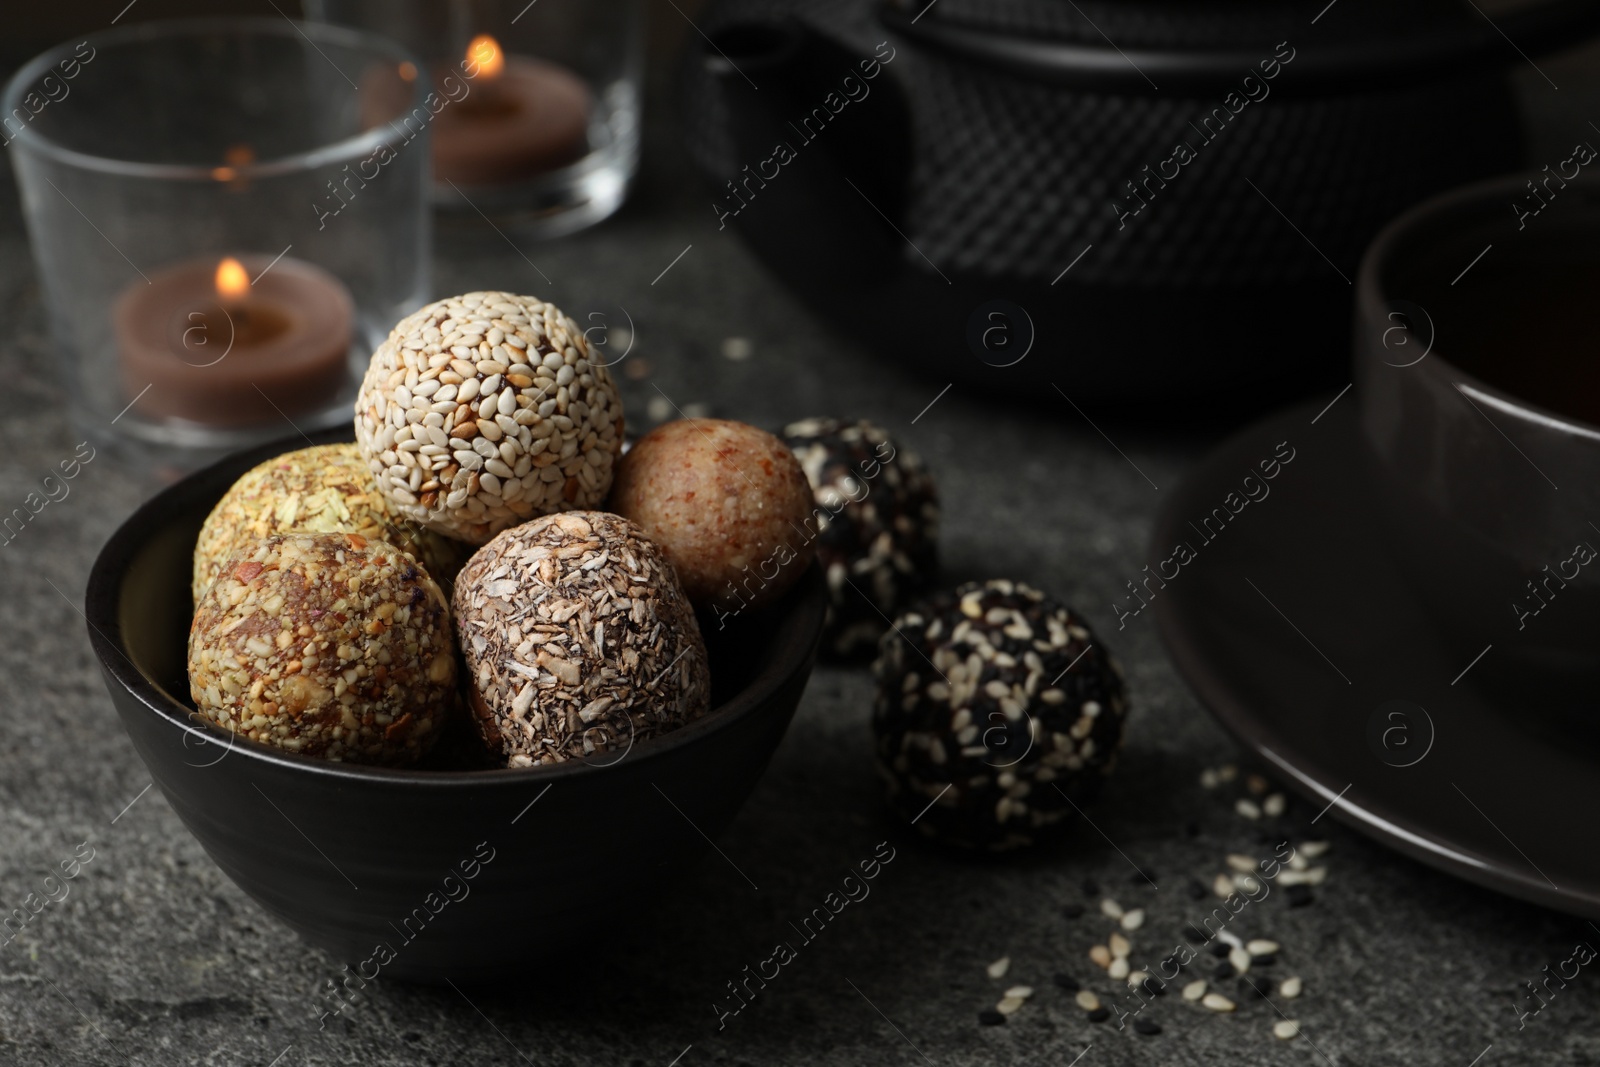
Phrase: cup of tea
pixel 1478 367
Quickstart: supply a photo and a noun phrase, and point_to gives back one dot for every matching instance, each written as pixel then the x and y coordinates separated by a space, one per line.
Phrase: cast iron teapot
pixel 1135 203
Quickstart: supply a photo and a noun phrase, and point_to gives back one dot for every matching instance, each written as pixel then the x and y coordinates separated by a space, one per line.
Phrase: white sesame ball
pixel 482 411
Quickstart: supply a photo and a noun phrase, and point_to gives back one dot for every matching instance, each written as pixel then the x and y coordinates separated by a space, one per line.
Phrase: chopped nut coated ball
pixel 327 645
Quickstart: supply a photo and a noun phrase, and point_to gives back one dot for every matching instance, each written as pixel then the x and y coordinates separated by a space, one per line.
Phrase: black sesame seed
pixel 1100 1014
pixel 1195 889
pixel 1264 961
pixel 1193 936
pixel 990 1017
pixel 1091 888
pixel 1223 972
pixel 1073 910
pixel 1067 982
pixel 1192 829
pixel 1220 949
pixel 1300 896
pixel 1154 987
pixel 1148 1027
pixel 1254 987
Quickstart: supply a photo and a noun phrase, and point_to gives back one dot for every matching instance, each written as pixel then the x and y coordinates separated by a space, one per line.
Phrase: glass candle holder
pixel 536 114
pixel 221 232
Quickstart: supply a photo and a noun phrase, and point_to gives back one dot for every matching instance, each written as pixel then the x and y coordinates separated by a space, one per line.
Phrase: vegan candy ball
pixel 328 645
pixel 997 706
pixel 578 641
pixel 323 489
pixel 878 538
pixel 483 411
pixel 729 505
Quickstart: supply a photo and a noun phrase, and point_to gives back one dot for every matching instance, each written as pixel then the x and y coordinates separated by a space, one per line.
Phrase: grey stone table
pixel 153 957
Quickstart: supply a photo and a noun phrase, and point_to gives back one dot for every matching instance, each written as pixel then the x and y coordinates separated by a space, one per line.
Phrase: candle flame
pixel 485 51
pixel 232 280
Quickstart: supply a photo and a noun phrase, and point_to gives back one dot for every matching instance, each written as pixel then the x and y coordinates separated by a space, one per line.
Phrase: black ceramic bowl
pixel 432 875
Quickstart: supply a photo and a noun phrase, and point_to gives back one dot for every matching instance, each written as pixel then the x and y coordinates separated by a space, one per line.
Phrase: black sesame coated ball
pixel 876 525
pixel 998 713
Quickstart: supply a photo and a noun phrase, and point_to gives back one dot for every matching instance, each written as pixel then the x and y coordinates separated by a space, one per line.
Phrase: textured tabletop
pixel 153 957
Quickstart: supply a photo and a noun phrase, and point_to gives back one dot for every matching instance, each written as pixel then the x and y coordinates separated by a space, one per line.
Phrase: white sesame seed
pixel 999 967
pixel 1240 959
pixel 1119 967
pixel 1021 991
pixel 1087 1000
pixel 1286 1029
pixel 1313 849
pixel 1009 1005
pixel 1110 909
pixel 1134 919
pixel 1275 805
pixel 1217 1002
pixel 1222 886
pixel 1099 954
pixel 1248 808
pixel 1208 778
pixel 1195 989
pixel 1241 863
pixel 1261 947
pixel 1290 987
pixel 1120 946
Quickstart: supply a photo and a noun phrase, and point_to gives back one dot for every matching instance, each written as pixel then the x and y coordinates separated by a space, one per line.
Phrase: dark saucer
pixel 1300 633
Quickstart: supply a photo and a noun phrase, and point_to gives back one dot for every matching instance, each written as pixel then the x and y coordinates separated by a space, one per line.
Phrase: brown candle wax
pixel 521 120
pixel 214 348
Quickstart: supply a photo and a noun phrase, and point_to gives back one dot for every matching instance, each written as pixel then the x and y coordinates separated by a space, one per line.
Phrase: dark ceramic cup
pixel 1477 321
pixel 420 874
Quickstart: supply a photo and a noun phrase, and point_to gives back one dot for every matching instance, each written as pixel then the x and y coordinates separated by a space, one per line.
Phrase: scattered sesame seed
pixel 1217 1002
pixel 1087 1000
pixel 1220 948
pixel 1261 947
pixel 999 967
pixel 1195 989
pixel 1254 987
pixel 1229 938
pixel 1148 1027
pixel 1099 1015
pixel 1298 862
pixel 1247 807
pixel 1193 936
pixel 1242 863
pixel 1119 967
pixel 1023 991
pixel 1133 920
pixel 1120 946
pixel 1101 956
pixel 990 1017
pixel 1299 896
pixel 1246 882
pixel 1067 982
pixel 1265 961
pixel 1227 772
pixel 1009 1005
pixel 1286 1030
pixel 1073 910
pixel 1208 778
pixel 1256 784
pixel 1222 886
pixel 1240 960
pixel 1275 804
pixel 1313 849
pixel 1290 987
pixel 736 349
pixel 1224 971
pixel 1110 909
pixel 1155 986
pixel 1137 979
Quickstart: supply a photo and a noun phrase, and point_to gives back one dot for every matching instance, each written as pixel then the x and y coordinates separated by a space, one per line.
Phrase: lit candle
pixel 521 118
pixel 202 341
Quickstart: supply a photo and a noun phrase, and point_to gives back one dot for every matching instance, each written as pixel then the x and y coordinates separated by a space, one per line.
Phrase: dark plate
pixel 354 858
pixel 1298 632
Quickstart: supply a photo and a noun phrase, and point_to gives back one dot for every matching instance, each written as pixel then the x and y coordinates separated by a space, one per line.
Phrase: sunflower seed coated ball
pixel 578 640
pixel 483 411
pixel 879 531
pixel 998 707
pixel 323 489
pixel 328 645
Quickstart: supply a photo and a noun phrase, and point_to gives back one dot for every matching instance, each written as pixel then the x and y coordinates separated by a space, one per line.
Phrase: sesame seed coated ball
pixel 323 489
pixel 328 645
pixel 578 640
pixel 482 411
pixel 998 701
pixel 878 540
pixel 729 505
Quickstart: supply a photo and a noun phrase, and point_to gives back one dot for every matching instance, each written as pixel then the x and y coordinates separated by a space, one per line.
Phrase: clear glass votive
pixel 535 116
pixel 222 235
